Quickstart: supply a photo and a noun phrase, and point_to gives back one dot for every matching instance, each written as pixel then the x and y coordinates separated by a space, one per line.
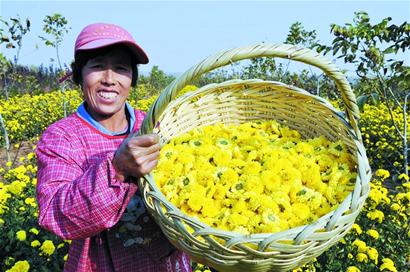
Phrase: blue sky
pixel 178 34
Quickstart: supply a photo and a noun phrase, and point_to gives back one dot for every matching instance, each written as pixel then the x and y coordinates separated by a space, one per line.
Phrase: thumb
pixel 145 140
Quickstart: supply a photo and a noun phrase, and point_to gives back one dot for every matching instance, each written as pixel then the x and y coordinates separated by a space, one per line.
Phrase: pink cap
pixel 102 34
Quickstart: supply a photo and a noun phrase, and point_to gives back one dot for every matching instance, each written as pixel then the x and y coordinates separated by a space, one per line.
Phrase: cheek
pixel 89 79
pixel 86 89
pixel 87 86
pixel 125 80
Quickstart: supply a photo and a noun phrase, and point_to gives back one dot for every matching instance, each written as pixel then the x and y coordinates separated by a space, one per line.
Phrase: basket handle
pixel 223 58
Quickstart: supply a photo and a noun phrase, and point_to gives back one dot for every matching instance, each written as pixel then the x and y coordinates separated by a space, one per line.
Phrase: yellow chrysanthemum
pixel 210 208
pixel 222 157
pixel 20 266
pixel 352 269
pixel 47 247
pixel 30 201
pixel 362 257
pixel 361 245
pixel 254 177
pixel 382 173
pixel 21 235
pixel 388 265
pixel 35 243
pixel 373 254
pixel 373 233
pixel 376 215
pixel 357 229
pixel 16 187
pixel 195 203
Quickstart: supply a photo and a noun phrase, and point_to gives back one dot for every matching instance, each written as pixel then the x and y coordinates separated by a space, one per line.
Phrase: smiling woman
pixel 107 79
pixel 89 162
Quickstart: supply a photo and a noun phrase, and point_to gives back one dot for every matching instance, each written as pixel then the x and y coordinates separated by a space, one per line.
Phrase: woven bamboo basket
pixel 239 101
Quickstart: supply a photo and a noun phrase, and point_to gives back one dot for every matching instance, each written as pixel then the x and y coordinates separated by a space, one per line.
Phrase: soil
pixel 15 153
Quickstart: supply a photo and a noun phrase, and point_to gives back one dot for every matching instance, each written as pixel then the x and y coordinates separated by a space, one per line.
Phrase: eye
pixel 96 66
pixel 123 68
pixel 94 62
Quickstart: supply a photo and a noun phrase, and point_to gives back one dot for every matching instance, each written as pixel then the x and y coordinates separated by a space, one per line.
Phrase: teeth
pixel 108 95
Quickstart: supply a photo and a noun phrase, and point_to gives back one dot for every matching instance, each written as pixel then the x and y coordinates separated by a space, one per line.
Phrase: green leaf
pixel 361 101
pixel 389 50
pixel 336 49
pixel 375 98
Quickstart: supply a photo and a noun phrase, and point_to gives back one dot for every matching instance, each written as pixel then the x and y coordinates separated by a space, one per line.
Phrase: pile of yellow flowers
pixel 256 177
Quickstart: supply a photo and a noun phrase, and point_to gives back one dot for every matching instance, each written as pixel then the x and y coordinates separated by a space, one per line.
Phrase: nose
pixel 108 77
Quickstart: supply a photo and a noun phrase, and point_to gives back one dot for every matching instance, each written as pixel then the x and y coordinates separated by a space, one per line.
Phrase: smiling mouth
pixel 107 95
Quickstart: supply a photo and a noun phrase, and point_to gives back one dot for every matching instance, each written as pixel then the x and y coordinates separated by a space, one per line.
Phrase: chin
pixel 107 111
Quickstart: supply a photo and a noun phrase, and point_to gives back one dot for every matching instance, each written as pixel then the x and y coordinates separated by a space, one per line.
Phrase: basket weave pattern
pixel 239 101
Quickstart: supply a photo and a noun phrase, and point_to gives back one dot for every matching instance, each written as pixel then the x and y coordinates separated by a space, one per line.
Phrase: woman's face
pixel 106 83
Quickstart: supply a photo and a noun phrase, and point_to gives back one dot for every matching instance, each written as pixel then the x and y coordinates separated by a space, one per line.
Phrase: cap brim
pixel 139 54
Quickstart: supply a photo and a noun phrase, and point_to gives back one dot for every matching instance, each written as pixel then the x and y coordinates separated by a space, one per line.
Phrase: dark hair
pixel 83 56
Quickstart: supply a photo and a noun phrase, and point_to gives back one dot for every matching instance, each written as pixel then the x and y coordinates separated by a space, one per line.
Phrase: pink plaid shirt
pixel 80 200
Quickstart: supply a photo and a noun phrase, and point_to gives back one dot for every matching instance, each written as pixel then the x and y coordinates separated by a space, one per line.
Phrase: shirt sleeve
pixel 76 203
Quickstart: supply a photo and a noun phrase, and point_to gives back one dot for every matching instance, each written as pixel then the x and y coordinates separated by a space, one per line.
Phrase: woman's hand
pixel 136 156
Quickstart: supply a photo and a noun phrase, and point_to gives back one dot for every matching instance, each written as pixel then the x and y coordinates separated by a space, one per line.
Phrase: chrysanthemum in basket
pixel 256 177
pixel 257 196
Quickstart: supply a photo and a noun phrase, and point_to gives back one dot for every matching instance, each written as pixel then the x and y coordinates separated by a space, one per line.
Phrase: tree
pixel 262 68
pixel 298 35
pixel 17 30
pixel 3 37
pixel 369 47
pixel 56 26
pixel 5 65
pixel 156 80
pixel 268 69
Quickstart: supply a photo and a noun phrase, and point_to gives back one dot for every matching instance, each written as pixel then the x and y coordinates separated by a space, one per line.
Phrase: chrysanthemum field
pixel 379 241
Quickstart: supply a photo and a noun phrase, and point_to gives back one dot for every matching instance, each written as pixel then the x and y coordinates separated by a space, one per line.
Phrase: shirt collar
pixel 83 114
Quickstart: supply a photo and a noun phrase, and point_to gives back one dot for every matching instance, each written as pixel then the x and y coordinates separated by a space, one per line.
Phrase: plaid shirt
pixel 80 200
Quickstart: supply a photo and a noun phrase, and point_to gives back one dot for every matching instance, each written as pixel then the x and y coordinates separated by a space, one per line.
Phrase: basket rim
pixel 250 82
pixel 226 57
pixel 301 232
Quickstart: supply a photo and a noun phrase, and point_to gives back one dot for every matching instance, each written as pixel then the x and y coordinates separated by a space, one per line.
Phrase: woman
pixel 88 164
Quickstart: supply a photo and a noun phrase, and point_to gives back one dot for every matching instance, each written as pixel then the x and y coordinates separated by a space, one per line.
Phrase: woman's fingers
pixel 144 140
pixel 140 147
pixel 137 151
pixel 149 163
pixel 142 160
pixel 138 155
